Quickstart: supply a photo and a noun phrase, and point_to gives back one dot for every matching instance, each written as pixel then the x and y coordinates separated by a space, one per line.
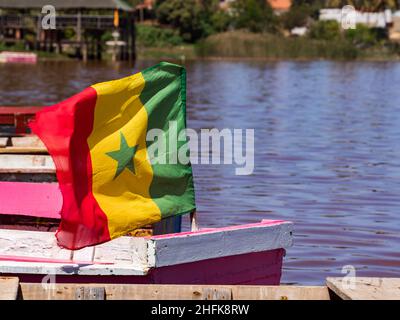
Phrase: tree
pixel 297 16
pixel 190 17
pixel 254 15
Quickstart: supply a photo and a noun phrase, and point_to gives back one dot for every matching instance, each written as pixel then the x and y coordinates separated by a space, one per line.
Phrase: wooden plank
pixel 37 252
pixel 29 144
pixel 20 163
pixel 217 293
pixel 30 141
pixel 6 110
pixel 23 150
pixel 68 268
pixel 36 291
pixel 280 293
pixel 219 242
pixel 3 141
pixel 42 200
pixel 8 288
pixel 90 293
pixel 364 288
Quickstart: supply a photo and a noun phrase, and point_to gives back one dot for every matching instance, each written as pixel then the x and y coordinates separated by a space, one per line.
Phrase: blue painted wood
pixel 168 225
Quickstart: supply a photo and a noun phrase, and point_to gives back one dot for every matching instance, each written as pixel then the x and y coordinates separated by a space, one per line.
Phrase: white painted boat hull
pixel 247 254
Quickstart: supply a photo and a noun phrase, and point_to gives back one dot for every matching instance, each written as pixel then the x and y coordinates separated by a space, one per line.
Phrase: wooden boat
pixel 17 117
pixel 30 204
pixel 17 57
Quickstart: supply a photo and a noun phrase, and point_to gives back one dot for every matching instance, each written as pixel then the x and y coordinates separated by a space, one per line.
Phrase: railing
pixel 62 21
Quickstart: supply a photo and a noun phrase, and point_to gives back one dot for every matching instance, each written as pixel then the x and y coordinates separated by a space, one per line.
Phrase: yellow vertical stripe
pixel 124 199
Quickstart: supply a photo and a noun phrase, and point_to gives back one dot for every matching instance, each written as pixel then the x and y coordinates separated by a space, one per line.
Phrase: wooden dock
pixel 360 288
pixel 336 288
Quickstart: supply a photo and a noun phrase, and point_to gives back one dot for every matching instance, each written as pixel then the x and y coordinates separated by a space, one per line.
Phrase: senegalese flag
pixel 97 140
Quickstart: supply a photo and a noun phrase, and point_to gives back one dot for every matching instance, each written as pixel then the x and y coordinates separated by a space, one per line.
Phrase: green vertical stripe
pixel 164 98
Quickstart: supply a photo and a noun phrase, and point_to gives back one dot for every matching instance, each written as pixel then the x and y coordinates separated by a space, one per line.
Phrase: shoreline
pixel 177 54
pixel 269 59
pixel 233 59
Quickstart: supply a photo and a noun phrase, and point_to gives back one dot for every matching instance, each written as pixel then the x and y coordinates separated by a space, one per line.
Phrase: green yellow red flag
pixel 97 140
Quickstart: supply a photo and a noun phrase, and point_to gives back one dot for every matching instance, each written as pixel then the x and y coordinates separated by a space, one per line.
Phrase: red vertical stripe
pixel 64 129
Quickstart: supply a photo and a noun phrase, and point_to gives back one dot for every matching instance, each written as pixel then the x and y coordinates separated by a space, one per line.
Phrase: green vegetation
pixel 323 42
pixel 250 29
pixel 186 51
pixel 363 36
pixel 153 36
pixel 242 44
pixel 192 18
pixel 254 15
pixel 300 14
pixel 325 30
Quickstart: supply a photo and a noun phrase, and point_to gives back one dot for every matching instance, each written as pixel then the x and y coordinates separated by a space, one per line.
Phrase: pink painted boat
pixel 244 254
pixel 18 57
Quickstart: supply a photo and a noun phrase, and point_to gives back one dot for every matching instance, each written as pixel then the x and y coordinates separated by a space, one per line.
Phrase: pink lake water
pixel 327 147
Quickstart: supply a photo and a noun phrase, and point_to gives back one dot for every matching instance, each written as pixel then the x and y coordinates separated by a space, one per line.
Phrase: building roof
pixel 65 4
pixel 280 5
pixel 146 4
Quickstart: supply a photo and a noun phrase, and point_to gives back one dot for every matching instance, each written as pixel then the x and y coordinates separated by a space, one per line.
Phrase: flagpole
pixel 193 221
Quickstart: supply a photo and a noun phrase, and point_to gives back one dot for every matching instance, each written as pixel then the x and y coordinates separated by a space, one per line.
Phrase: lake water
pixel 327 151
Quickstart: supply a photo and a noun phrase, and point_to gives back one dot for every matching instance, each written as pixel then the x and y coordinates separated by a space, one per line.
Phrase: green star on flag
pixel 124 156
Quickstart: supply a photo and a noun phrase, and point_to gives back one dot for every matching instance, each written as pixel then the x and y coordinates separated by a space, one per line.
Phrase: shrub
pixel 221 21
pixel 241 44
pixel 364 36
pixel 325 30
pixel 190 17
pixel 254 15
pixel 150 36
pixel 297 16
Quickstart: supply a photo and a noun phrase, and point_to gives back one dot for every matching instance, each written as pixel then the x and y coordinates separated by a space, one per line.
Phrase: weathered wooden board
pixel 30 141
pixel 281 293
pixel 22 145
pixel 3 141
pixel 20 163
pixel 23 150
pixel 17 116
pixel 32 291
pixel 19 110
pixel 363 288
pixel 215 243
pixel 36 252
pixel 42 200
pixel 8 288
pixel 217 293
pixel 90 293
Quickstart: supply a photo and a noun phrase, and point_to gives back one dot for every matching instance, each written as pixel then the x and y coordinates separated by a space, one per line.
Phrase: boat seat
pixel 18 117
pixel 44 201
pixel 41 200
